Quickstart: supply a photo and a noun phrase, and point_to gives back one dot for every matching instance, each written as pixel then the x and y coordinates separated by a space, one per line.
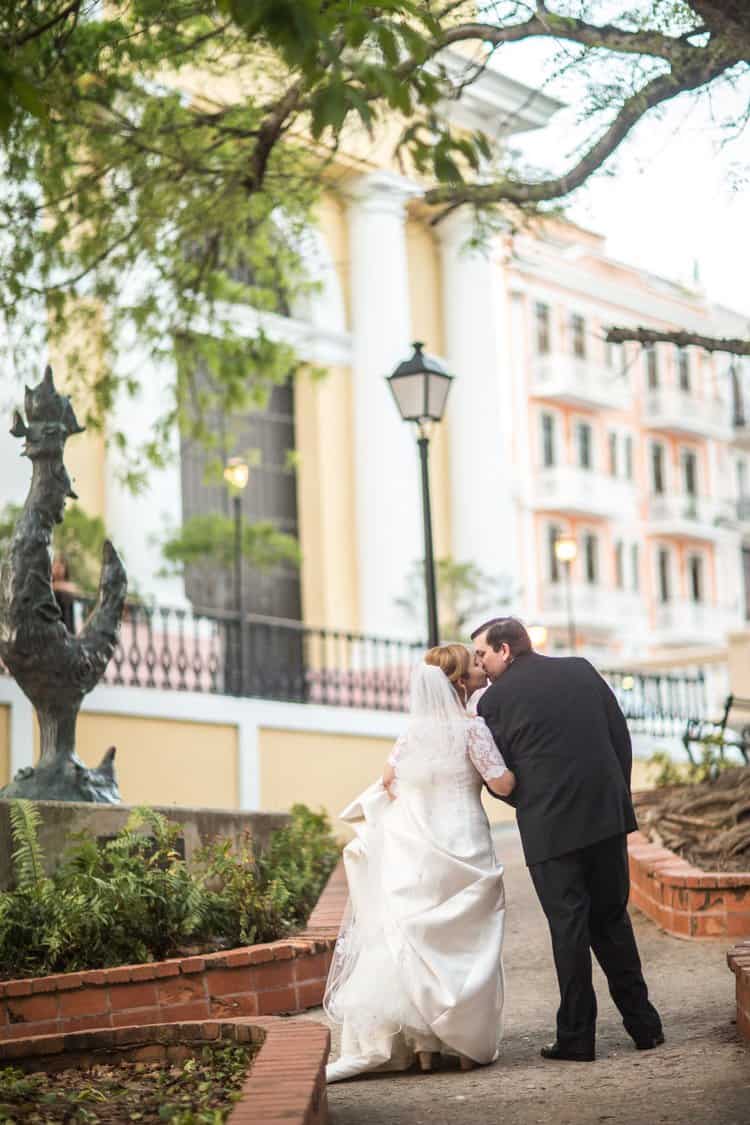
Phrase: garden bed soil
pixel 284 1083
pixel 205 1087
pixel 707 824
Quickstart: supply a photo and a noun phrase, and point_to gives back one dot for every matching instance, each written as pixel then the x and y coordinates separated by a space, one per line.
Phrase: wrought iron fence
pixel 273 658
pixel 268 658
pixel 659 703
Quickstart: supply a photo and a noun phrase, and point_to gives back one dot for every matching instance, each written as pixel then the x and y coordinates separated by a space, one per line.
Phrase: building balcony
pixel 579 382
pixel 692 517
pixel 594 608
pixel 572 491
pixel 692 623
pixel 682 413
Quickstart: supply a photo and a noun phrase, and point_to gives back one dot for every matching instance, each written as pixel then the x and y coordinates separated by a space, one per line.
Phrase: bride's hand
pixel 389 781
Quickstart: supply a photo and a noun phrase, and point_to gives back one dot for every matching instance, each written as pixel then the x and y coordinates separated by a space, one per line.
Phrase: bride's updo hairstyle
pixel 453 660
pixel 437 695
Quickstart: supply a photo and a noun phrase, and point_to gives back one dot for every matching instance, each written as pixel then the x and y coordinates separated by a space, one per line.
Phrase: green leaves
pixel 17 93
pixel 210 539
pixel 330 106
pixel 173 178
pixel 440 152
pixel 28 861
pixel 134 899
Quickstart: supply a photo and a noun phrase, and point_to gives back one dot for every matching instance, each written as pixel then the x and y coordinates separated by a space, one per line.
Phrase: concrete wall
pixel 60 820
pixel 165 761
pixel 188 749
pixel 328 770
pixel 185 749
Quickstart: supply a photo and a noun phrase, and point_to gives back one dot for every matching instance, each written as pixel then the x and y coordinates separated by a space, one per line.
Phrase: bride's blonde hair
pixel 454 660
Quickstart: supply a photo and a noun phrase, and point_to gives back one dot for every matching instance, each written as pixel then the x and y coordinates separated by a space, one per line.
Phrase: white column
pixel 21 731
pixel 480 407
pixel 388 504
pixel 139 523
pixel 248 749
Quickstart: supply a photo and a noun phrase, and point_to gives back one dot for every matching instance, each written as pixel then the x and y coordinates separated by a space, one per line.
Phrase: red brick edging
pixel 739 962
pixel 286 1082
pixel 684 900
pixel 258 980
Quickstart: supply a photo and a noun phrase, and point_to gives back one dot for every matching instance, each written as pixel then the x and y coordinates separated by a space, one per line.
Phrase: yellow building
pixel 546 432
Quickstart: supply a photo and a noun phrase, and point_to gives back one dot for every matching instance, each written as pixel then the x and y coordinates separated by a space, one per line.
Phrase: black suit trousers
pixel 584 895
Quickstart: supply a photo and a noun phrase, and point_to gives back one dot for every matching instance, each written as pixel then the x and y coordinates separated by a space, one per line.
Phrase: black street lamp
pixel 420 387
pixel 236 473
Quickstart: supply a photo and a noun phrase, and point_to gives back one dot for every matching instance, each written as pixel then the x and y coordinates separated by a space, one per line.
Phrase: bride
pixel 417 967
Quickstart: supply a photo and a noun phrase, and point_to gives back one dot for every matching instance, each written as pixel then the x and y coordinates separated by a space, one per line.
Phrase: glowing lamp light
pixel 565 549
pixel 236 473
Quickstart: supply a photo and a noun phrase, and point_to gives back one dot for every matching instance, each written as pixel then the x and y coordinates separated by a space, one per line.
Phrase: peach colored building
pixel 633 452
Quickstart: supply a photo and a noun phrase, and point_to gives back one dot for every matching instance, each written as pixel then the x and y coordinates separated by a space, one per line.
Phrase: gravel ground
pixel 700 1076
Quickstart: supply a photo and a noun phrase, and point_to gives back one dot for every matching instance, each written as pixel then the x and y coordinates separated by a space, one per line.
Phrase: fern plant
pixel 135 899
pixel 28 859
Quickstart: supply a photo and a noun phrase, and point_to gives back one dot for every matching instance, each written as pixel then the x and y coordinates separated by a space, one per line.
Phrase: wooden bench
pixel 717 732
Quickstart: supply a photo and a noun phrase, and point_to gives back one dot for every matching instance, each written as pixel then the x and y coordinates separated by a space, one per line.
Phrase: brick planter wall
pixel 684 900
pixel 258 980
pixel 739 962
pixel 293 1050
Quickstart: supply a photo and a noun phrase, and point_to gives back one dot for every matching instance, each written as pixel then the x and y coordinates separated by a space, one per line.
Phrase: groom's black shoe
pixel 555 1051
pixel 650 1042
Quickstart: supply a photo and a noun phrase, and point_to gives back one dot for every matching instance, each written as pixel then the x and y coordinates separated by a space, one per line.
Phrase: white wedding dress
pixel 418 962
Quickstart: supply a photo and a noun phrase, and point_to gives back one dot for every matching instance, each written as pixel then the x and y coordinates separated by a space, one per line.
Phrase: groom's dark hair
pixel 505 630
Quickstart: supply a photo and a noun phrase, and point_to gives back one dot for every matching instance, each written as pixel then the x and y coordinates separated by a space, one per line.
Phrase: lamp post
pixel 565 552
pixel 236 474
pixel 420 388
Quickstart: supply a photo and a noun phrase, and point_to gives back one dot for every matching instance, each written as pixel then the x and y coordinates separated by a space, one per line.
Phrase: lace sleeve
pixel 396 751
pixel 483 752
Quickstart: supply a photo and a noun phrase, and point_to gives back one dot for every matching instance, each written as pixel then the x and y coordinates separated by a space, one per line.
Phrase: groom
pixel 560 729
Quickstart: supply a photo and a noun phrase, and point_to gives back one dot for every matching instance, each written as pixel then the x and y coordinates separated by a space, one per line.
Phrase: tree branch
pixel 659 89
pixel 38 30
pixel 680 339
pixel 553 26
pixel 269 134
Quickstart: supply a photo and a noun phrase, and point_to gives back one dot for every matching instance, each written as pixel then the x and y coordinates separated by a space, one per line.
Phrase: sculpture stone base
pixel 62 821
pixel 66 778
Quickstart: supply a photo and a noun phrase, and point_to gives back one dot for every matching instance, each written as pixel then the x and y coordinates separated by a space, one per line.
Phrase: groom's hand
pixel 509 800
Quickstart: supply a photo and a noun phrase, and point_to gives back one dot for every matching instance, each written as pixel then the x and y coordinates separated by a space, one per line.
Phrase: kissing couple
pixel 417 972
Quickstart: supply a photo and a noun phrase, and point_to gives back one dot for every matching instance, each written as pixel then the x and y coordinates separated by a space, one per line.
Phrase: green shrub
pixel 712 762
pixel 134 899
pixel 260 901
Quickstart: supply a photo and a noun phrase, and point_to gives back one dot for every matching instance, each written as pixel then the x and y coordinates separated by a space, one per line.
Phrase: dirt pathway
pixel 700 1076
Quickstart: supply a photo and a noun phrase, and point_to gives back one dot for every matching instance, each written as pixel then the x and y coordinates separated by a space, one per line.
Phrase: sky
pixel 675 195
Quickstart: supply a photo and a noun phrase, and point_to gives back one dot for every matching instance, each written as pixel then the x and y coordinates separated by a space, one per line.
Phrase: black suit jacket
pixel 560 729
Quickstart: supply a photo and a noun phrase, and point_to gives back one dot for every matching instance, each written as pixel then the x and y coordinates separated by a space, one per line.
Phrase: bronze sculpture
pixel 53 667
